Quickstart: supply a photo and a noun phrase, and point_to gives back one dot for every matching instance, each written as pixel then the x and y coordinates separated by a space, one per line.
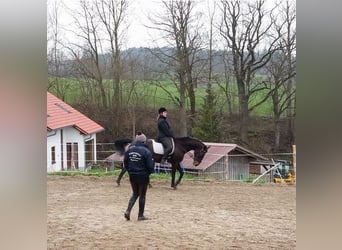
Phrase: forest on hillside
pixel 226 74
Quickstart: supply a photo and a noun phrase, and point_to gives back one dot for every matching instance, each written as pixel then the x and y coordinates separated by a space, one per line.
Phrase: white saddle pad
pixel 159 149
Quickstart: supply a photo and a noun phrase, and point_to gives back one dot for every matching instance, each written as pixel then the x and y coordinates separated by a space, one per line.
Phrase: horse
pixel 182 145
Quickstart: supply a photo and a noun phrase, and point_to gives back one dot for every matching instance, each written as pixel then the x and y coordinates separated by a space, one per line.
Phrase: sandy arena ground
pixel 87 213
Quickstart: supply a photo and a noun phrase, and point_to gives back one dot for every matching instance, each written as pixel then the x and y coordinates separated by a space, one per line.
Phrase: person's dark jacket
pixel 138 160
pixel 164 128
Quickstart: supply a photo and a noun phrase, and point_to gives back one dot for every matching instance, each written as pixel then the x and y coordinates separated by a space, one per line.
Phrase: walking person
pixel 139 164
pixel 165 133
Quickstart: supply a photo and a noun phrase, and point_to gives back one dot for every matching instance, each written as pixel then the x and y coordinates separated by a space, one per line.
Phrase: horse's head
pixel 199 154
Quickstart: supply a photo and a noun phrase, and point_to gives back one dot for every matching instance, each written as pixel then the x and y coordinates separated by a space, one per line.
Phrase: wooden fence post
pixel 294 159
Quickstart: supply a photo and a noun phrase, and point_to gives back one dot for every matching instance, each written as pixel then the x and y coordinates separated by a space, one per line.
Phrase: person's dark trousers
pixel 167 144
pixel 139 187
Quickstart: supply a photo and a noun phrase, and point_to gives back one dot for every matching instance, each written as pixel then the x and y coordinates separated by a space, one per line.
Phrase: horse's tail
pixel 120 145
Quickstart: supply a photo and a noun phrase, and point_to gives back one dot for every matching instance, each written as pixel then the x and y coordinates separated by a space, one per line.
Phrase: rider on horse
pixel 165 133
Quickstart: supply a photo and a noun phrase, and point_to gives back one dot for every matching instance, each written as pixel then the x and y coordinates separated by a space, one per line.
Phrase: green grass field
pixel 153 95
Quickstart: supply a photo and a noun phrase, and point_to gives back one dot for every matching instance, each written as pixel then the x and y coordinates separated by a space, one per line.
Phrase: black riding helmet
pixel 161 110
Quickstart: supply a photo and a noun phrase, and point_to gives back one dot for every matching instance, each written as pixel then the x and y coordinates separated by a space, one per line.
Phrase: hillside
pixel 261 129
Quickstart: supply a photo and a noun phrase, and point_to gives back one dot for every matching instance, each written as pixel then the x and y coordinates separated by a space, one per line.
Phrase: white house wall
pixel 54 140
pixel 90 137
pixel 87 138
pixel 70 135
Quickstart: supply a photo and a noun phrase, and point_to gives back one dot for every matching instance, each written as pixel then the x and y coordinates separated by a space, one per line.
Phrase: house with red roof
pixel 71 137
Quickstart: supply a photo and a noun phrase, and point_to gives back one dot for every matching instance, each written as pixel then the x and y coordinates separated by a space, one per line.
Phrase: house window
pixel 53 155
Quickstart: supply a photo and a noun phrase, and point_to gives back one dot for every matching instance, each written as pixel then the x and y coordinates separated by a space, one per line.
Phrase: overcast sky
pixel 138 35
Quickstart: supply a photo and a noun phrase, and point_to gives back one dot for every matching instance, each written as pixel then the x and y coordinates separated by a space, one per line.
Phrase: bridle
pixel 201 153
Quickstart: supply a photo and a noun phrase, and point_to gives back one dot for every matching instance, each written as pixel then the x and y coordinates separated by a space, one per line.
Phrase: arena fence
pixel 227 168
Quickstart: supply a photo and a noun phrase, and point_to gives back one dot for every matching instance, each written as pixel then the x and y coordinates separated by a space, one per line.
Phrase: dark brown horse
pixel 182 146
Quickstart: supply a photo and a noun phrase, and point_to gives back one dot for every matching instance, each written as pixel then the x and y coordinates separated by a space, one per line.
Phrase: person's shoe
pixel 127 216
pixel 143 218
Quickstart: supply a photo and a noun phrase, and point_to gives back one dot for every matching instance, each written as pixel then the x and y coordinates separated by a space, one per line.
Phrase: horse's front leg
pixel 123 171
pixel 181 173
pixel 173 175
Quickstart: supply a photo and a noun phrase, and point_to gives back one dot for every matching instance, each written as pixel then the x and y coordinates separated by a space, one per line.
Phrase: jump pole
pixel 275 166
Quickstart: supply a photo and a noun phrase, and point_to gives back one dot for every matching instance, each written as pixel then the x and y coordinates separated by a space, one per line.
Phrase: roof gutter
pixel 55 132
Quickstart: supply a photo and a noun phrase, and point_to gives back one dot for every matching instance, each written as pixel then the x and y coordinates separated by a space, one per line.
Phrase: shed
pixel 71 137
pixel 224 161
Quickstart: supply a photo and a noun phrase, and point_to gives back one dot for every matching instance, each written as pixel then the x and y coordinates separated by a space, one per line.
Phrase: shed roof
pixel 61 115
pixel 217 151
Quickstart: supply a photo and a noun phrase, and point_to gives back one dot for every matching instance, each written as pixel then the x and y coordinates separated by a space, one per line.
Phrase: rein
pixel 190 154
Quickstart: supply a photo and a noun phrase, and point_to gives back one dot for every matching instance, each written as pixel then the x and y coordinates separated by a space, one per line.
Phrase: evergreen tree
pixel 208 124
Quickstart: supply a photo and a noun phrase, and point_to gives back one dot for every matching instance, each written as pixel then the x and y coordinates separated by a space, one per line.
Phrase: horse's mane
pixel 187 137
pixel 182 138
pixel 120 144
pixel 123 140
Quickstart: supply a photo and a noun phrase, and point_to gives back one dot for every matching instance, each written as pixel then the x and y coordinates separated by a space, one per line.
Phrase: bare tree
pixel 112 14
pixel 247 34
pixel 281 73
pixel 55 55
pixel 209 118
pixel 100 27
pixel 210 52
pixel 88 50
pixel 290 45
pixel 223 82
pixel 179 27
pixel 226 84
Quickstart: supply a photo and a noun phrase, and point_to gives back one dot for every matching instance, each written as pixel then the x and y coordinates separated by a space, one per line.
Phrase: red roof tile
pixel 61 115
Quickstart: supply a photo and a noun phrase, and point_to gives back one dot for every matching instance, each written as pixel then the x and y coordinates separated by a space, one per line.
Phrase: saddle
pixel 159 149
